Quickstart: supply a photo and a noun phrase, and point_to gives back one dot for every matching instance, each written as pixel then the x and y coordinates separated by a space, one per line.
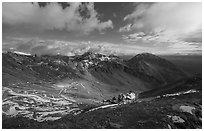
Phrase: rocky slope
pixel 161 69
pixel 183 111
pixel 47 88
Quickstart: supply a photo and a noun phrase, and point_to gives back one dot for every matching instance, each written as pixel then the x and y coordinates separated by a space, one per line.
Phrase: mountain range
pixel 99 73
pixel 46 88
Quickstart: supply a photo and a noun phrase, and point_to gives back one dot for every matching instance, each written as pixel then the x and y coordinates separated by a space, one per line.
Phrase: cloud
pixel 172 17
pixel 172 46
pixel 54 47
pixel 77 17
pixel 139 10
pixel 195 36
pixel 135 37
pixel 185 48
pixel 126 28
pixel 167 23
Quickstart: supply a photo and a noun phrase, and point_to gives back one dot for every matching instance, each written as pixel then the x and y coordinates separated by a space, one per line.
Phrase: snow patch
pixel 178 93
pixel 187 109
pixel 21 53
pixel 102 107
pixel 37 105
pixel 176 119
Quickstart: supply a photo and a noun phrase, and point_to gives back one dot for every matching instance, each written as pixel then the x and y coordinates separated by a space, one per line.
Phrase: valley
pixel 46 89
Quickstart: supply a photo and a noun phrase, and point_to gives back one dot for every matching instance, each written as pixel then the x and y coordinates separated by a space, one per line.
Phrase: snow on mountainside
pixel 82 79
pixel 142 72
pixel 21 53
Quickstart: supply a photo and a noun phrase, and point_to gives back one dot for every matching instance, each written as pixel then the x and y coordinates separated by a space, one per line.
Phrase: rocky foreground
pixel 182 111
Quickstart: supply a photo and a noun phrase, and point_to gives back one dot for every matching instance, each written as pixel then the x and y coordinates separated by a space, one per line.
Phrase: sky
pixel 108 28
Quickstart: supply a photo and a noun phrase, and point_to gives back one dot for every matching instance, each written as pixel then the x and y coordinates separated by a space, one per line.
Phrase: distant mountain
pixel 110 74
pixel 159 68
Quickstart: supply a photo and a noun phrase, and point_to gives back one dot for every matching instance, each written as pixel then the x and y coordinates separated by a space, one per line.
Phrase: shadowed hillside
pixel 56 88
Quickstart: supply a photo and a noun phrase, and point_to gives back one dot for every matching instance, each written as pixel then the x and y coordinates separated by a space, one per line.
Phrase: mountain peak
pixel 88 53
pixel 146 55
pixel 156 66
